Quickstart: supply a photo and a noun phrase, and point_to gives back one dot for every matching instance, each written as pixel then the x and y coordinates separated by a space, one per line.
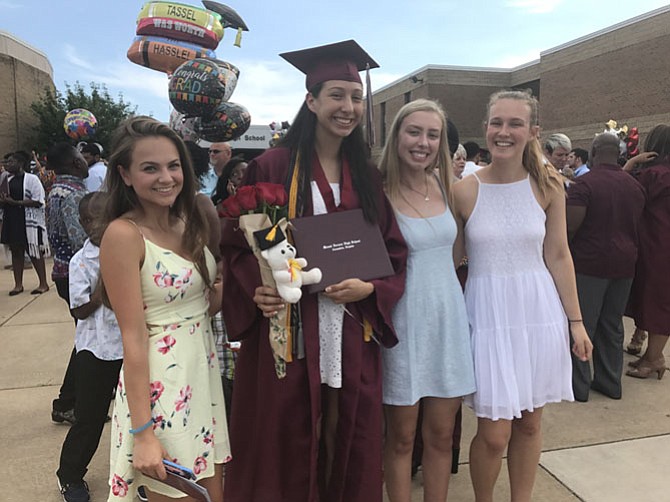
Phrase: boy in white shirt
pixel 99 355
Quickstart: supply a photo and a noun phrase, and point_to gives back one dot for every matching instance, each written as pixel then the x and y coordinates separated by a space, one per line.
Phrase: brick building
pixel 623 75
pixel 24 73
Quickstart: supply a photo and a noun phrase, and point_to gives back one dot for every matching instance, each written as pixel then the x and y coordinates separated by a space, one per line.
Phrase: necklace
pixel 424 194
pixel 412 206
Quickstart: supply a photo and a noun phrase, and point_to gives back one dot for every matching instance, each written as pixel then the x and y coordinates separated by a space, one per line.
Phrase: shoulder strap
pixel 135 225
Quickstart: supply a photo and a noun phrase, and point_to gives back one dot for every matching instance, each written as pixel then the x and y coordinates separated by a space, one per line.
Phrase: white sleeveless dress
pixel 520 337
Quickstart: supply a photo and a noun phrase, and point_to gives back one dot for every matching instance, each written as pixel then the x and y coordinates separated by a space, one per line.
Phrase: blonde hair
pixel 389 163
pixel 460 152
pixel 533 160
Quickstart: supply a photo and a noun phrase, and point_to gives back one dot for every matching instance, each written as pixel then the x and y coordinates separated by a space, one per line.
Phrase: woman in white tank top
pixel 520 296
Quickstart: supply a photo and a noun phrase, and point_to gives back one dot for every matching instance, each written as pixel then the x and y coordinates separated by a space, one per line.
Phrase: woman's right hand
pixel 148 455
pixel 268 301
pixel 639 159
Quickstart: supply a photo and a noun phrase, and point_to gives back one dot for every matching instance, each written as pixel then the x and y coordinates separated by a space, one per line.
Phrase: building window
pixel 382 109
pixel 408 97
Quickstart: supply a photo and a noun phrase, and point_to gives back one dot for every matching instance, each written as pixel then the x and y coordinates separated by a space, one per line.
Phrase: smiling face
pixel 509 129
pixel 155 171
pixel 338 107
pixel 419 140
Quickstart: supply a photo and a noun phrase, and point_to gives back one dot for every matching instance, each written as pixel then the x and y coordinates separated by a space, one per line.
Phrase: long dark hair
pixel 221 190
pixel 300 139
pixel 123 199
pixel 658 140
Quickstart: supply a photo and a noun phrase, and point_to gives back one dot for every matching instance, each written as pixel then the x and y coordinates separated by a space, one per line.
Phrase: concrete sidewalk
pixel 600 451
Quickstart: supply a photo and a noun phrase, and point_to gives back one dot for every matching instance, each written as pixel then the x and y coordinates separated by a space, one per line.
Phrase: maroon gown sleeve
pixel 377 309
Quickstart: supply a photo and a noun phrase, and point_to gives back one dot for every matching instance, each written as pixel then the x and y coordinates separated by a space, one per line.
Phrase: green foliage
pixel 52 106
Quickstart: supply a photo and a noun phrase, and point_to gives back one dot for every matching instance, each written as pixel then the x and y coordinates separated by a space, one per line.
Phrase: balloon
pixel 182 12
pixel 162 54
pixel 228 74
pixel 196 89
pixel 229 17
pixel 80 124
pixel 183 126
pixel 179 30
pixel 229 122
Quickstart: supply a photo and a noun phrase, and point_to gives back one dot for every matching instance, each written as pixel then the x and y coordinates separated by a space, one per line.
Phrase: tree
pixel 52 107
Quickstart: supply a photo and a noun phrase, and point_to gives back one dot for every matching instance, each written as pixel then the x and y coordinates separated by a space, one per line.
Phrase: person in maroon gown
pixel 316 434
pixel 650 293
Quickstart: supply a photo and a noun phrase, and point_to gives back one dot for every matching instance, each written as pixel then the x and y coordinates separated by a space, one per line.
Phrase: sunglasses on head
pixel 214 151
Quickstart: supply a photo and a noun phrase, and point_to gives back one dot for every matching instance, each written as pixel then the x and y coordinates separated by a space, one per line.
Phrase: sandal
pixel 636 342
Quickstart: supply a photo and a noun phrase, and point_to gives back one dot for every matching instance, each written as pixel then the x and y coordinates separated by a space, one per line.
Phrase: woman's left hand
pixel 582 346
pixel 349 291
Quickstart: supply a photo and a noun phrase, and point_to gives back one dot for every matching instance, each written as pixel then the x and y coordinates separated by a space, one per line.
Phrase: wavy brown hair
pixel 533 160
pixel 389 164
pixel 123 199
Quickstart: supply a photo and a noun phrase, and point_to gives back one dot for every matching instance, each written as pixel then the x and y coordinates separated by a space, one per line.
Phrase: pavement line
pixel 558 480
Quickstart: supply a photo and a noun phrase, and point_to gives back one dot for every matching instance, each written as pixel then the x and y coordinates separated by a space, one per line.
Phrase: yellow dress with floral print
pixel 186 394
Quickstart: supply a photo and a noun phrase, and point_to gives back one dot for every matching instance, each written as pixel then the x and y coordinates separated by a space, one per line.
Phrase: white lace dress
pixel 331 315
pixel 520 338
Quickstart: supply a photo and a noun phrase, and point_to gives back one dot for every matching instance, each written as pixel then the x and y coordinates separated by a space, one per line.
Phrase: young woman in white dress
pixel 521 295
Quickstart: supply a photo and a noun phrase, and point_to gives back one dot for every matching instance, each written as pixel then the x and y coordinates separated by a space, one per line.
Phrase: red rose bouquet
pixel 258 207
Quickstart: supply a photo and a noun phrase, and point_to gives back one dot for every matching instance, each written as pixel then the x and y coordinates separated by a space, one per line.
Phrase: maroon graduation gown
pixel 650 294
pixel 274 422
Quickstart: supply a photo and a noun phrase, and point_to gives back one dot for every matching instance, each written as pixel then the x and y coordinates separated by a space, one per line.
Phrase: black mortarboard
pixel 269 237
pixel 338 61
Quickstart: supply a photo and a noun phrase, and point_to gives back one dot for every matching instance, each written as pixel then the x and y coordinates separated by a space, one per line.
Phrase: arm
pixel 86 309
pixel 461 204
pixel 559 262
pixel 639 159
pixel 70 213
pixel 377 305
pixel 575 218
pixel 121 255
pixel 206 205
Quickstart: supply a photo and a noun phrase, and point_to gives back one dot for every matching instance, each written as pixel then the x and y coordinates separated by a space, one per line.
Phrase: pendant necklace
pixel 425 196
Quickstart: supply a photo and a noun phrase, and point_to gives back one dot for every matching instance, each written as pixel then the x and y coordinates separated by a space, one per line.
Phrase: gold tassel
pixel 289 334
pixel 238 38
pixel 367 330
pixel 271 234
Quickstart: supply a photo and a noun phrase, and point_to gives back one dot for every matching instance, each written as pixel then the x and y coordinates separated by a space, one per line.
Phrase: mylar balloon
pixel 80 124
pixel 228 74
pixel 230 121
pixel 183 126
pixel 196 88
pixel 163 54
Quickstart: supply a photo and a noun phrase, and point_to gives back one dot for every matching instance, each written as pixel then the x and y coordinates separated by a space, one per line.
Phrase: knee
pixel 401 442
pixel 438 438
pixel 530 428
pixel 495 444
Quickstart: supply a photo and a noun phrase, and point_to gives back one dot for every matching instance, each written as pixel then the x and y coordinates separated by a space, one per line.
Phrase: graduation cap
pixel 338 61
pixel 269 237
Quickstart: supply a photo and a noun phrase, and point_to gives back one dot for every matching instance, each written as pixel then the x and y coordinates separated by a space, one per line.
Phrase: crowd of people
pixel 547 247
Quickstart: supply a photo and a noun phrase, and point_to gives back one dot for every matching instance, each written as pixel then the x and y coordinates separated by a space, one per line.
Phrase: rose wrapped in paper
pixel 258 207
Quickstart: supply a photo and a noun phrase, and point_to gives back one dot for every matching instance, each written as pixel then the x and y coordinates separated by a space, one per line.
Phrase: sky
pixel 87 41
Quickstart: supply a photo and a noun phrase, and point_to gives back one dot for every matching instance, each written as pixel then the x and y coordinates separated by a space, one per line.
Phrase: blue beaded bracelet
pixel 142 427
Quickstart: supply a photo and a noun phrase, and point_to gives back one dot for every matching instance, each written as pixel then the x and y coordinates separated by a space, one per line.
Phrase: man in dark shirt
pixel 66 237
pixel 603 210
